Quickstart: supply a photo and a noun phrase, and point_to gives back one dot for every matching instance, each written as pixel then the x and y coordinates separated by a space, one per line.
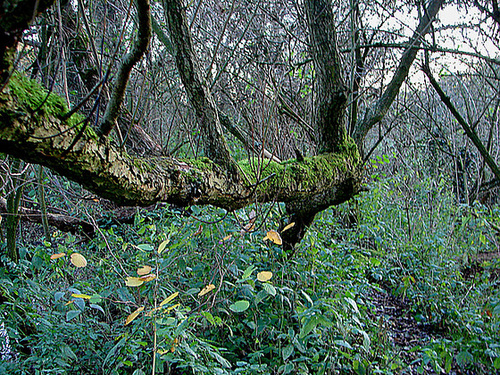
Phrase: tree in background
pixel 268 95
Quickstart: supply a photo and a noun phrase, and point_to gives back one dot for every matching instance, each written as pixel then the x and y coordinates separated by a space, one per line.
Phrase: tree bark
pixel 34 132
pixel 199 94
pixel 330 94
pixel 64 223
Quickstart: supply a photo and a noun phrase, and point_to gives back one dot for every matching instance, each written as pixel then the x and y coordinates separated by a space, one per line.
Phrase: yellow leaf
pixel 169 298
pixel 291 225
pixel 273 236
pixel 264 276
pixel 78 260
pixel 162 246
pixel 144 270
pixel 162 351
pixel 134 281
pixel 57 256
pixel 133 315
pixel 149 277
pixel 228 237
pixel 68 303
pixel 172 307
pixel 84 296
pixel 206 289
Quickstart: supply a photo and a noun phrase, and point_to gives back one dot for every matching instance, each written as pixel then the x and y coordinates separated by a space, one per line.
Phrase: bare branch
pixel 120 84
pixel 377 111
pixel 463 123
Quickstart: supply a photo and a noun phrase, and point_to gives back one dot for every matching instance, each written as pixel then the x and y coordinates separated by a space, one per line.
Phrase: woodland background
pixel 391 266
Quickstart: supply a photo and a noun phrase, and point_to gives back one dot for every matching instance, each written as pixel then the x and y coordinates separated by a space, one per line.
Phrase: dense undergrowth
pixel 211 306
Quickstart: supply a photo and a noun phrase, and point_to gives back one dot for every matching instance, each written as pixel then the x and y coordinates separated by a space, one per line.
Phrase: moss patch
pixel 310 174
pixel 34 97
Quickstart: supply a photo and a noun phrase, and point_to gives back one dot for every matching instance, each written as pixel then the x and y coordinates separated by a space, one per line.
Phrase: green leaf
pixel 464 358
pixel 287 352
pixel 95 298
pixel 145 247
pixel 72 314
pixel 269 289
pixel 353 304
pixel 114 349
pixel 192 291
pixel 375 262
pixel 260 297
pixel 162 246
pixel 97 307
pixel 496 364
pixel 239 306
pixel 80 303
pixel 223 361
pixel 496 310
pixel 248 272
pixel 68 353
pixel 58 296
pixel 343 343
pixel 310 324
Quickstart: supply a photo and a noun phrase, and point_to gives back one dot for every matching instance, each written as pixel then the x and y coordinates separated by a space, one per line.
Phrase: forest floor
pixel 400 327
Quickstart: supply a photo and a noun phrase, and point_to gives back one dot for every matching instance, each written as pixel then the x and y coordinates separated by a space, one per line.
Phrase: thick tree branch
pixel 41 137
pixel 201 99
pixel 133 57
pixel 377 111
pixel 330 91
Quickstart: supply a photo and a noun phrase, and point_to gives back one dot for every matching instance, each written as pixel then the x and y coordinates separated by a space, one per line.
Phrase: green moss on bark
pixel 310 174
pixel 34 97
